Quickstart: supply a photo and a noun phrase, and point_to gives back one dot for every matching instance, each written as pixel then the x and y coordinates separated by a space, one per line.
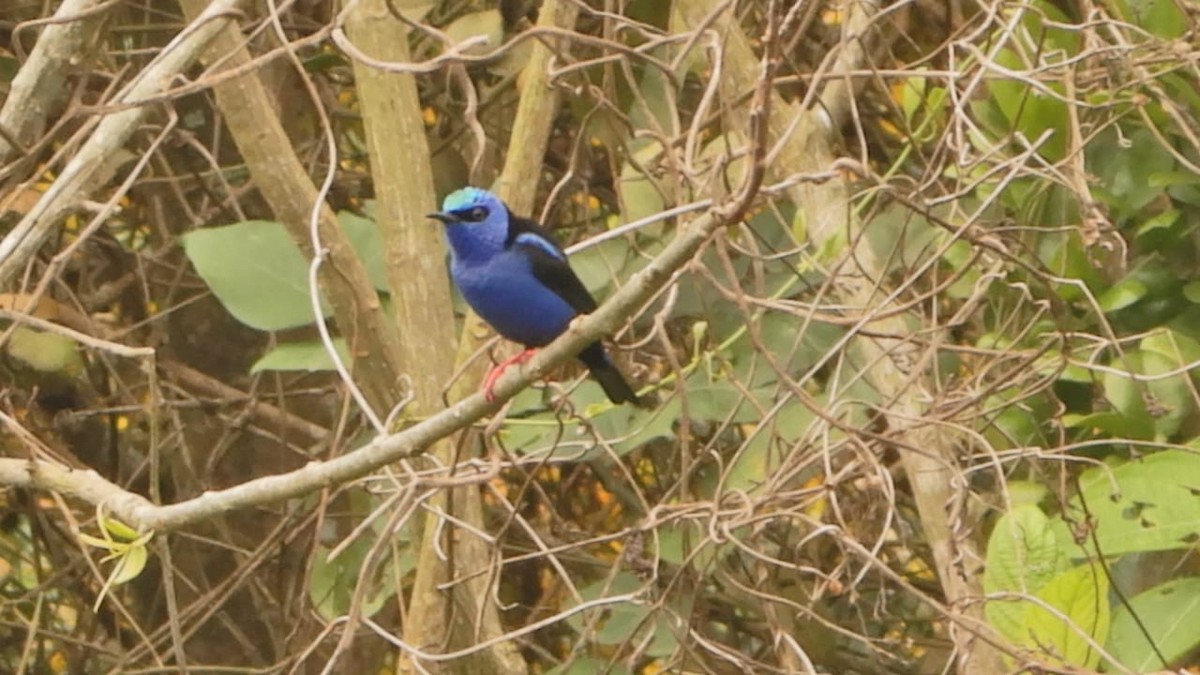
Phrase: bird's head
pixel 476 222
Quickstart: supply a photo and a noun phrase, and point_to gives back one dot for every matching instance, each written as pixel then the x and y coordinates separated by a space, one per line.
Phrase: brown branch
pixel 40 88
pixel 139 513
pixel 804 140
pixel 264 411
pixel 415 254
pixel 90 168
pixel 282 180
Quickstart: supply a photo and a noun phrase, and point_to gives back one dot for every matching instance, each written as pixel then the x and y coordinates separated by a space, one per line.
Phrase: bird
pixel 516 277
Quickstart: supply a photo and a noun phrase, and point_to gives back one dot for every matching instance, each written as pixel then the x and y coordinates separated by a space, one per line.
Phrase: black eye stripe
pixel 474 214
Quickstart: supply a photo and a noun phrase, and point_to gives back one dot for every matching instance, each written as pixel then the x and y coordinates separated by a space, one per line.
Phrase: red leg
pixel 489 382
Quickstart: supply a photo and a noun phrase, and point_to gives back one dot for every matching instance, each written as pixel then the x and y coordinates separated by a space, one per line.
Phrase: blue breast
pixel 504 292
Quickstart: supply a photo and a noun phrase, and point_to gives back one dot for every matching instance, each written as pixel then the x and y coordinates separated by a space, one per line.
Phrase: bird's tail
pixel 611 380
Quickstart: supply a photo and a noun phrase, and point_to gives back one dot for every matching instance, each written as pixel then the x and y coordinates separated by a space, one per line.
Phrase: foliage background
pixel 924 397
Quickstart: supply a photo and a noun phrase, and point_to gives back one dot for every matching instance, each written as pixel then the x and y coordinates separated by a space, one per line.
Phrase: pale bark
pixel 39 90
pixel 285 184
pixel 90 168
pixel 805 138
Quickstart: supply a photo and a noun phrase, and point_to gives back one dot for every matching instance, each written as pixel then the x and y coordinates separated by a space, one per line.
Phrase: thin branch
pixel 141 514
pixel 91 167
pixel 40 86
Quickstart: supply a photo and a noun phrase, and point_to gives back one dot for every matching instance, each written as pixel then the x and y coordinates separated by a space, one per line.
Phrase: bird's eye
pixel 478 214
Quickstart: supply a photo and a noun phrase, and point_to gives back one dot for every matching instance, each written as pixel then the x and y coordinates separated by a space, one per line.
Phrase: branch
pixel 804 138
pixel 415 255
pixel 141 514
pixel 285 184
pixel 40 86
pixel 90 168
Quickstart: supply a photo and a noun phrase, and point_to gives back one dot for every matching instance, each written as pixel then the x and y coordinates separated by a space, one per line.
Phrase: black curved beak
pixel 445 218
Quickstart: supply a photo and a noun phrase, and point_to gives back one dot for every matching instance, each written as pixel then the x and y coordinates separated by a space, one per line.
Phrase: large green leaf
pixel 761 456
pixel 1123 164
pixel 256 271
pixel 301 356
pixel 259 275
pixel 1030 110
pixel 1023 555
pixel 1169 614
pixel 686 542
pixel 1163 18
pixel 1155 398
pixel 1081 594
pixel 1122 294
pixel 1149 504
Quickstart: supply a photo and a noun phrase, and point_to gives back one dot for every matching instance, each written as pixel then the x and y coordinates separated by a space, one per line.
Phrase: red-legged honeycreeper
pixel 516 278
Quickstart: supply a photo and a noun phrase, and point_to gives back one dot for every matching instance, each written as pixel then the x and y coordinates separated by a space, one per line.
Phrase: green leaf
pixel 1015 424
pixel 1031 111
pixel 367 241
pixel 1191 291
pixel 654 107
pixel 1156 223
pixel 1023 555
pixel 332 583
pixel 901 235
pixel 129 565
pixel 1178 348
pixel 755 461
pixel 639 191
pixel 45 352
pixel 1065 255
pixel 638 427
pixel 687 543
pixel 8 68
pixel 762 455
pixel 1148 504
pixel 598 265
pixel 1112 424
pixel 1169 614
pixel 722 401
pixel 316 63
pixel 1163 401
pixel 488 23
pixel 1026 493
pixel 1163 179
pixel 256 271
pixel 1169 351
pixel 119 530
pixel 624 621
pixel 794 350
pixel 588 665
pixel 1123 167
pixel 1163 18
pixel 1081 594
pixel 716 155
pixel 259 275
pixel 1122 294
pixel 301 356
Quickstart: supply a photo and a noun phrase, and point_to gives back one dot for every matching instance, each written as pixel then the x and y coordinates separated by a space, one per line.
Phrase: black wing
pixel 550 265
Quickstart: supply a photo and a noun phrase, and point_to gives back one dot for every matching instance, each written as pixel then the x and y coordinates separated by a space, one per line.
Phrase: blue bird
pixel 513 274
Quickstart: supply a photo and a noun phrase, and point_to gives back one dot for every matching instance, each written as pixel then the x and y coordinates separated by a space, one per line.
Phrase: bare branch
pixel 90 167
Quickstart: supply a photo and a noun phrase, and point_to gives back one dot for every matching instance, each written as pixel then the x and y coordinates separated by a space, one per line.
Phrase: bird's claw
pixel 489 382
